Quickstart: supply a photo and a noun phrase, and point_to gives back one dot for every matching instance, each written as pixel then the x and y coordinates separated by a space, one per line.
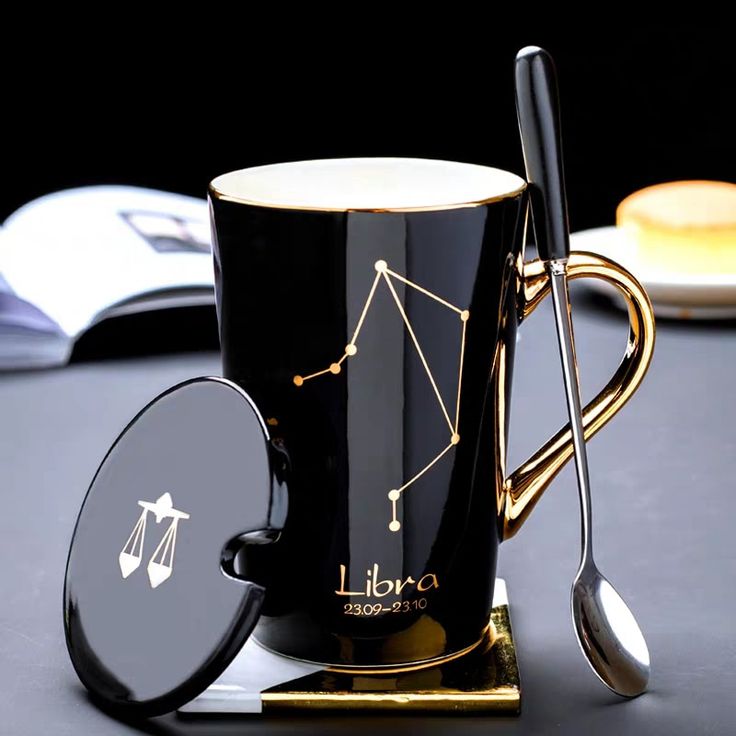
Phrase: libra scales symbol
pixel 161 564
pixel 351 349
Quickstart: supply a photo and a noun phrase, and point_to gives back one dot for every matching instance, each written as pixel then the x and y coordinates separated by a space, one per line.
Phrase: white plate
pixel 677 295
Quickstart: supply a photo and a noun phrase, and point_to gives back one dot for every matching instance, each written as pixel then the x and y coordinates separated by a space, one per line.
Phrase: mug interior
pixel 367 184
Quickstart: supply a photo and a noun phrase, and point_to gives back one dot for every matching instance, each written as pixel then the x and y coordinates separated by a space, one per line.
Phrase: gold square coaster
pixel 485 680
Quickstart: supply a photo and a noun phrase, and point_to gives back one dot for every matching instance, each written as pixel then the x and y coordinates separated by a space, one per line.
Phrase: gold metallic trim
pixel 395 669
pixel 486 680
pixel 500 699
pixel 222 195
pixel 432 208
pixel 523 488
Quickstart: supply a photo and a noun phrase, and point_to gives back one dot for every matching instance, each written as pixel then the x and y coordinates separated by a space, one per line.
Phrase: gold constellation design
pixel 385 273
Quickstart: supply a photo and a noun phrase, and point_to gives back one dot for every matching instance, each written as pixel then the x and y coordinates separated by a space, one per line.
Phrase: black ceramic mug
pixel 370 308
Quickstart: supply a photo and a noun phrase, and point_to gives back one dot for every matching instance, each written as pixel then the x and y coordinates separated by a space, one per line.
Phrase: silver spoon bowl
pixel 608 633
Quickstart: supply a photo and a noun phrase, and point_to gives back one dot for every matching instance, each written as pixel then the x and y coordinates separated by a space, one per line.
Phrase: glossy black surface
pixel 291 286
pixel 538 110
pixel 145 641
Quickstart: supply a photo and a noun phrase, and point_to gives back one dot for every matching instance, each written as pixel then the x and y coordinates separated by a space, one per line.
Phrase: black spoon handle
pixel 537 107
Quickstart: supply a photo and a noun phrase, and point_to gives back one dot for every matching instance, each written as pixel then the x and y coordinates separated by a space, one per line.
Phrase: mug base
pixel 484 680
pixel 387 669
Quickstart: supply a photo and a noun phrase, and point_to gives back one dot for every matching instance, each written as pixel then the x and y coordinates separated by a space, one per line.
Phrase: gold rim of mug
pixel 225 197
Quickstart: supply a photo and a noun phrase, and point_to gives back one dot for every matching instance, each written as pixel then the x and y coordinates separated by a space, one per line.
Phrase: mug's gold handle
pixel 526 484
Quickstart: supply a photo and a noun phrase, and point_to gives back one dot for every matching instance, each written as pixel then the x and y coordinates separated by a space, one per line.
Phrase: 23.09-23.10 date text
pixel 373 609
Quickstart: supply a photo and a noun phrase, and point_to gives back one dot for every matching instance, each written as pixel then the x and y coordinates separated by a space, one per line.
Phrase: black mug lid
pixel 151 616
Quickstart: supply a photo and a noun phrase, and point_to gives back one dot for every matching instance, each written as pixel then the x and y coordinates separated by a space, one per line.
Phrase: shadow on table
pixel 306 724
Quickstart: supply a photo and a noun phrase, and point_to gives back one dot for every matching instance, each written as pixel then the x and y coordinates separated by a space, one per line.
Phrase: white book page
pixel 78 252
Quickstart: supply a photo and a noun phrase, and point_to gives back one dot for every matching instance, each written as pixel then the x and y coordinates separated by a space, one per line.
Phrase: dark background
pixel 121 97
pixel 171 108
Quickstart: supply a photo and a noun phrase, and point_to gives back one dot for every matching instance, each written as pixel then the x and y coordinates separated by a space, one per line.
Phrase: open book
pixel 74 258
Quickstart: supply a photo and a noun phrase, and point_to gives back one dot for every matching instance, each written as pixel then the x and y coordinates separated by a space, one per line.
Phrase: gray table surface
pixel 664 508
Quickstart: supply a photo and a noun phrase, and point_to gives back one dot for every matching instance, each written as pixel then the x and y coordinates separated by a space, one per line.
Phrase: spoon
pixel 607 631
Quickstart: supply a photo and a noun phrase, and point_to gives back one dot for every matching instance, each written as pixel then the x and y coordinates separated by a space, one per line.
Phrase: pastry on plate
pixel 688 227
